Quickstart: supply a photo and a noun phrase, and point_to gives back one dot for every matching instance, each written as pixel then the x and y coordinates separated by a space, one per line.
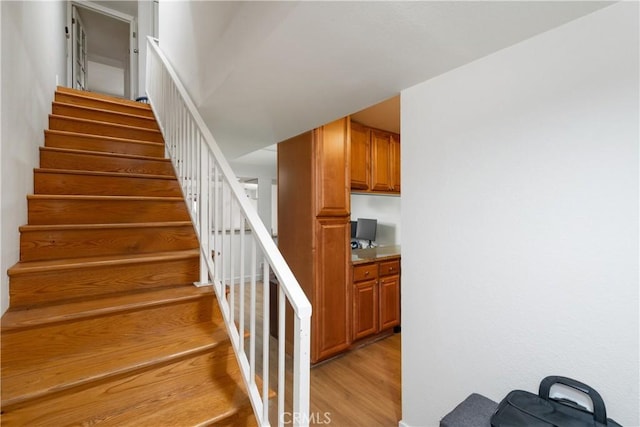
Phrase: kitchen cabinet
pixel 389 294
pixel 380 161
pixel 375 160
pixel 314 206
pixel 360 157
pixel 365 300
pixel 376 297
pixel 394 164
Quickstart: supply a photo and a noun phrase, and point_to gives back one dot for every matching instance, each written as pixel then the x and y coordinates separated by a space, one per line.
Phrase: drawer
pixel 387 268
pixel 365 272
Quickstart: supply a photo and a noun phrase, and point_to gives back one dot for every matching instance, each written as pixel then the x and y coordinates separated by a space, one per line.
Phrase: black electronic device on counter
pixel 354 242
pixel 366 229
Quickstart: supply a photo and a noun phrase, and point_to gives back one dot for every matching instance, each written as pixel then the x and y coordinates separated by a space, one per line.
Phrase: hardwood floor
pixel 361 388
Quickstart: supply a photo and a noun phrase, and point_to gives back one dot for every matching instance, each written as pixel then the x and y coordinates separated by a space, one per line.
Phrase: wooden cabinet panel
pixel 389 302
pixel 295 207
pixel 388 268
pixel 332 150
pixel 380 158
pixel 395 163
pixel 331 303
pixel 375 160
pixel 365 272
pixel 360 157
pixel 365 309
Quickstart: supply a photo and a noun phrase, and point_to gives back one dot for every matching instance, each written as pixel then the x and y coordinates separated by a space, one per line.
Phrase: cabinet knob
pixel 366 273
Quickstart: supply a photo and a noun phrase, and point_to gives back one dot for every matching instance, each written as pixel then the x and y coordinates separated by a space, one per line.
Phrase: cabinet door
pixel 395 163
pixel 365 309
pixel 331 311
pixel 380 159
pixel 360 157
pixel 389 302
pixel 332 169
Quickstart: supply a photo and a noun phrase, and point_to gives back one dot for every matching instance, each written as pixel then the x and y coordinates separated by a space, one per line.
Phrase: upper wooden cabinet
pixel 375 160
pixel 331 157
pixel 380 161
pixel 394 163
pixel 360 157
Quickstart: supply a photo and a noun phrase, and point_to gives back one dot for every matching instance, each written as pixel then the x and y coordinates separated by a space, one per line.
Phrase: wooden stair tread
pixel 106 154
pixel 101 198
pixel 105 111
pixel 106 174
pixel 136 108
pixel 91 209
pixel 234 409
pixel 101 261
pixel 46 227
pixel 107 360
pixel 126 144
pixel 29 317
pixel 101 96
pixel 149 397
pixel 103 137
pixel 113 125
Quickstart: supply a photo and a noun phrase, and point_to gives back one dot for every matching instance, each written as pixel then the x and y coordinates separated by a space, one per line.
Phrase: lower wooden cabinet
pixel 376 297
pixel 389 302
pixel 365 309
pixel 331 291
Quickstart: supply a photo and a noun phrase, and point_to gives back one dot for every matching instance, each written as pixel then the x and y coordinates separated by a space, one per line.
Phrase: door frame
pixel 77 30
pixel 133 40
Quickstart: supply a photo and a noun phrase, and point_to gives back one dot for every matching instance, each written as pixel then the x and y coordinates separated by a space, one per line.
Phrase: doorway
pixel 102 49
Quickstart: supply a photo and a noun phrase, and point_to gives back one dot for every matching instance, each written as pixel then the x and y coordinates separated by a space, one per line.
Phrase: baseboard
pixel 401 423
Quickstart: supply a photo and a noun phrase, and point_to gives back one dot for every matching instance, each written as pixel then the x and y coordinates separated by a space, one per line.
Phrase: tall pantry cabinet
pixel 314 230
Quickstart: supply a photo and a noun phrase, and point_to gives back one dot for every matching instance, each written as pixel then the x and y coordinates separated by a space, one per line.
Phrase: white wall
pixel 520 186
pixel 145 28
pixel 386 209
pixel 105 78
pixel 33 55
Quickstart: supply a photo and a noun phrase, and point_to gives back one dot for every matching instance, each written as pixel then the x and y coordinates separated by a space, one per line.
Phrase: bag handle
pixel 599 411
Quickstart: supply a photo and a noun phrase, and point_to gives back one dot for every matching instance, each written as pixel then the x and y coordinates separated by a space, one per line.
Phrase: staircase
pixel 105 326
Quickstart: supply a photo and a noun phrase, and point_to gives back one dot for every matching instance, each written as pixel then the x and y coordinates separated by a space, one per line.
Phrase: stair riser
pixel 103 105
pixel 58 285
pixel 37 245
pixel 81 142
pixel 97 185
pixel 26 349
pixel 103 163
pixel 150 397
pixel 80 211
pixel 104 116
pixel 104 129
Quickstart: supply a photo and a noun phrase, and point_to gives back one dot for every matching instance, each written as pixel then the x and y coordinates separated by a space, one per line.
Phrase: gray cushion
pixel 474 411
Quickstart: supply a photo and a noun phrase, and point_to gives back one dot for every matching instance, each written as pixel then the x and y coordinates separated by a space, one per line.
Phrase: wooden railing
pixel 238 255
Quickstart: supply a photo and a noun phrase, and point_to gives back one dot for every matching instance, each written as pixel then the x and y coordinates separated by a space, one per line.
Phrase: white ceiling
pixel 262 72
pixel 129 7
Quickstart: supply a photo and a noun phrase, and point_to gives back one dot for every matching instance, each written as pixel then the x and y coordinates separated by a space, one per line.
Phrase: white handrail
pixel 219 209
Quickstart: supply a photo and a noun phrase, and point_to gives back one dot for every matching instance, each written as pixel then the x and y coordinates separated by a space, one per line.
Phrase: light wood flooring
pixel 359 388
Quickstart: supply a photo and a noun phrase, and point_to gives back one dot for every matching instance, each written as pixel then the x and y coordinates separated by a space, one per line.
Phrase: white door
pixel 78 51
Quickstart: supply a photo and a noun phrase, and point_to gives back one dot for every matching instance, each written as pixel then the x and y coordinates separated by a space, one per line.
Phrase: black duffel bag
pixel 521 408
